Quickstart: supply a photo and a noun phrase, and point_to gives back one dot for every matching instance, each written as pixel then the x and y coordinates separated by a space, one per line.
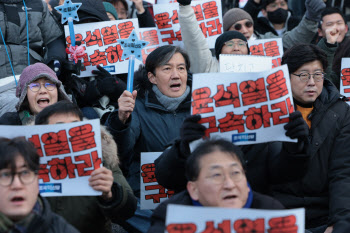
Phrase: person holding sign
pixel 90 213
pixel 198 49
pixel 151 121
pixel 216 177
pixel 38 88
pixel 22 209
pixel 324 190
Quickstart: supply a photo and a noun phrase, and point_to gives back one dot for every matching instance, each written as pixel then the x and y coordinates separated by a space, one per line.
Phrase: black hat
pixel 226 36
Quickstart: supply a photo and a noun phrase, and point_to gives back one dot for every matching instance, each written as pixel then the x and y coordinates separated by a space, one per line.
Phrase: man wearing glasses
pixel 324 190
pixel 21 209
pixel 216 177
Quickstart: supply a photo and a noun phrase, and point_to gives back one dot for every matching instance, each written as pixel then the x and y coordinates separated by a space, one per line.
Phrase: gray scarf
pixel 170 103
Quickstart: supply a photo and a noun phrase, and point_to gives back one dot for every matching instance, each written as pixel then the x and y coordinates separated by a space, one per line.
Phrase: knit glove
pixel 297 128
pixel 190 130
pixel 108 85
pixel 314 9
pixel 184 2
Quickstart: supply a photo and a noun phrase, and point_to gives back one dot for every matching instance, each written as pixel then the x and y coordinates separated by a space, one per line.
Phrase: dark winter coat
pixel 43 30
pixel 10 118
pixel 324 190
pixel 266 163
pixel 150 128
pixel 90 214
pixel 46 221
pixel 262 25
pixel 158 217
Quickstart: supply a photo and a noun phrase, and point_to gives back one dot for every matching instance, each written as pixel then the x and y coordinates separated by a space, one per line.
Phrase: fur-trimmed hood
pixel 109 149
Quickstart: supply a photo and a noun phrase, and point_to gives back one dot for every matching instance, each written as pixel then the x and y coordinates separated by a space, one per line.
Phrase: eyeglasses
pixel 26 177
pixel 35 87
pixel 219 177
pixel 238 26
pixel 230 44
pixel 304 77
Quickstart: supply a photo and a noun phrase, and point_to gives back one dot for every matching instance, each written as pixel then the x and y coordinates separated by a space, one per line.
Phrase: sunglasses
pixel 238 26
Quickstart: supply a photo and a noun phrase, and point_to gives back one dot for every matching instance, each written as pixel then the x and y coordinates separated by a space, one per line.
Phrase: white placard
pixel 345 77
pixel 68 155
pixel 208 14
pixel 152 36
pixel 268 47
pixel 210 219
pixel 245 108
pixel 244 63
pixel 151 192
pixel 101 47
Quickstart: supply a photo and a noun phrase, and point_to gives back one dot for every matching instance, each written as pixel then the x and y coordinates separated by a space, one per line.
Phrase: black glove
pixel 109 85
pixel 314 9
pixel 297 127
pixel 184 2
pixel 190 130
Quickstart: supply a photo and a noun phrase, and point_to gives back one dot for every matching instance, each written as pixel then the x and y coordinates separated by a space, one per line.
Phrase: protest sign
pixel 100 43
pixel 244 63
pixel 194 219
pixel 208 14
pixel 152 36
pixel 151 192
pixel 345 78
pixel 268 47
pixel 246 108
pixel 68 154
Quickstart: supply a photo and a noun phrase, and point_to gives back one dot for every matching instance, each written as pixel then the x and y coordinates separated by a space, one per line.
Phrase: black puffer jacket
pixel 324 190
pixel 43 31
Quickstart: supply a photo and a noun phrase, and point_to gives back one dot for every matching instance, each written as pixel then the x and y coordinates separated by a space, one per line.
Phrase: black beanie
pixel 226 36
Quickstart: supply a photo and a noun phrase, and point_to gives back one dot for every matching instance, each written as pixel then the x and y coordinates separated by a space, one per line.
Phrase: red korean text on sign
pixel 98 58
pixel 113 54
pixel 247 226
pixel 211 28
pixel 271 49
pixel 210 10
pixel 147 173
pixel 163 20
pixel 231 122
pixel 125 29
pixel 63 168
pixel 36 141
pixel 345 78
pixel 198 12
pixel 78 39
pixel 181 228
pixel 82 138
pixel 151 36
pixel 110 34
pixel 277 85
pixel 93 38
pixel 253 91
pixel 283 224
pixel 224 227
pixel 257 50
pixel 175 17
pixel 229 97
pixel 55 143
pixel 201 100
pixel 257 117
pixel 212 125
pixel 161 193
pixel 173 36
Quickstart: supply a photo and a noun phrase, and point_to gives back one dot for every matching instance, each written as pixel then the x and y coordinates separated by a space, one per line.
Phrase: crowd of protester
pixel 311 173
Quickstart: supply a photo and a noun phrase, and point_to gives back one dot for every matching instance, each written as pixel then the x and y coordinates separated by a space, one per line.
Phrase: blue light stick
pixel 71 31
pixel 130 82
